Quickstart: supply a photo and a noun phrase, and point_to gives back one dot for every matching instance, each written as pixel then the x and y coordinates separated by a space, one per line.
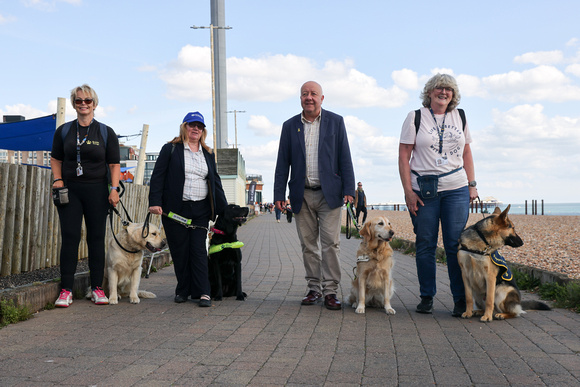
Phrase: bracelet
pixel 114 189
pixel 55 180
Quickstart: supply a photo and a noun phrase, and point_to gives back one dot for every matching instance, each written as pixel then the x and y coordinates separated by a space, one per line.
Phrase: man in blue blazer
pixel 314 151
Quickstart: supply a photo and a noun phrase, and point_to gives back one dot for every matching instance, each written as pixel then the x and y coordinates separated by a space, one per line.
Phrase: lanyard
pixel 439 132
pixel 79 143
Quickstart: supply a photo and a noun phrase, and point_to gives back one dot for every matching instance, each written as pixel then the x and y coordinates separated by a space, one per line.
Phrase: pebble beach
pixel 551 242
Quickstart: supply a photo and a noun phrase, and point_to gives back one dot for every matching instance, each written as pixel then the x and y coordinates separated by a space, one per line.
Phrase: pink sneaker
pixel 98 296
pixel 64 299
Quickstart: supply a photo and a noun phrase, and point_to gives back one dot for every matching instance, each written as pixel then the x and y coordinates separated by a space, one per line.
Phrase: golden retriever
pixel 123 268
pixel 373 285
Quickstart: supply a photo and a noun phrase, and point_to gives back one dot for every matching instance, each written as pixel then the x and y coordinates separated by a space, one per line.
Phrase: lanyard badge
pixel 79 143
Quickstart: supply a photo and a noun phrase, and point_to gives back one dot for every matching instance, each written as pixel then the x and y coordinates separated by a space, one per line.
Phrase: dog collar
pixel 216 231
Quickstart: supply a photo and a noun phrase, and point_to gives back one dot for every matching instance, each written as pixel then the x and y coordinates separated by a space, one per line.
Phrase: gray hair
pixel 441 80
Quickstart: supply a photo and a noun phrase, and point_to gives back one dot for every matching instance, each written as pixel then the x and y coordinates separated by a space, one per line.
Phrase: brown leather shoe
pixel 311 298
pixel 331 302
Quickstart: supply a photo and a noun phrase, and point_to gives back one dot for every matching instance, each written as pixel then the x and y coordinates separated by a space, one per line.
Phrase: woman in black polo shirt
pixel 84 152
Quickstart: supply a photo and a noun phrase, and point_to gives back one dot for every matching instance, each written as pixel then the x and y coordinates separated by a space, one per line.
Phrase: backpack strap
pixel 102 128
pixel 462 115
pixel 418 119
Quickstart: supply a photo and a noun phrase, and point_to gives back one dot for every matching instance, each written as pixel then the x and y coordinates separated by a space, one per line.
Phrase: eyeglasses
pixel 80 101
pixel 448 89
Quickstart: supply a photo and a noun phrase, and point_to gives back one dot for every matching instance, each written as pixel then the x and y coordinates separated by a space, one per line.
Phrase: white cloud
pixel 541 57
pixel 21 109
pixel 542 83
pixel 6 19
pixel 261 126
pixel 574 69
pixel 276 78
pixel 406 79
pixel 48 5
pixel 572 42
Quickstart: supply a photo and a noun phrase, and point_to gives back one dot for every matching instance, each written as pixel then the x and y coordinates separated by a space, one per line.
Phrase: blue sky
pixel 517 64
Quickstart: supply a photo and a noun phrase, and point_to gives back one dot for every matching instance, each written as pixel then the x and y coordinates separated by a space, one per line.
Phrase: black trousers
pixel 88 200
pixel 360 209
pixel 188 250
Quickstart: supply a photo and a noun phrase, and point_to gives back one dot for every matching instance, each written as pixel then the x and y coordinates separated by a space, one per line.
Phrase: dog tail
pixel 535 305
pixel 146 294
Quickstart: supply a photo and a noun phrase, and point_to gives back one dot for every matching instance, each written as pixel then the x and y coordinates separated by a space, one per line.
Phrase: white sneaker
pixel 64 299
pixel 98 296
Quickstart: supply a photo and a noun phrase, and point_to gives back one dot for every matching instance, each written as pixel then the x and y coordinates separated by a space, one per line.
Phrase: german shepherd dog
pixel 225 264
pixel 486 276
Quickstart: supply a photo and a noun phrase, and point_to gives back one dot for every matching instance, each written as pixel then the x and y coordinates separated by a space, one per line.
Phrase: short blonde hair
pixel 441 80
pixel 182 138
pixel 87 90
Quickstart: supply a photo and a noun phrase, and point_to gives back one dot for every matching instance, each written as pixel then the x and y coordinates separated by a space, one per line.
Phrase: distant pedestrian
pixel 360 200
pixel 315 154
pixel 82 162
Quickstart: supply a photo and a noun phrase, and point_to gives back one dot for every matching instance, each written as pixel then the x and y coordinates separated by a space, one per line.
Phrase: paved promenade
pixel 270 339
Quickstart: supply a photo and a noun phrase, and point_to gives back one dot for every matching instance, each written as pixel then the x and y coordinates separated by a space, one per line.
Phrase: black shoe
pixel 426 305
pixel 204 303
pixel 459 308
pixel 179 298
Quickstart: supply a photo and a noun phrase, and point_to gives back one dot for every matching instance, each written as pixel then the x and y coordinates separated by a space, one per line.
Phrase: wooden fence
pixel 30 233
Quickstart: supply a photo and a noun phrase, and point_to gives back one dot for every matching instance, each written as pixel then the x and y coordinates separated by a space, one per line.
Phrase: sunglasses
pixel 88 101
pixel 195 125
pixel 447 89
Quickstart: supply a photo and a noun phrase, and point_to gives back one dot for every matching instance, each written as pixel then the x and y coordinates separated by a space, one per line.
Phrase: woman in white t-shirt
pixel 438 146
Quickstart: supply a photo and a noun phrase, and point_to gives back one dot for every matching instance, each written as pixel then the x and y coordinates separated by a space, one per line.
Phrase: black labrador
pixel 225 255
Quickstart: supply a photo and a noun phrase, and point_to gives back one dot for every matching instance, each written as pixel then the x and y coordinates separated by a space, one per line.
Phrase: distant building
pixel 232 170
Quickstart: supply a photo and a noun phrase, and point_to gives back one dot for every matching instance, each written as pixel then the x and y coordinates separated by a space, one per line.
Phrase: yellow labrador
pixel 373 284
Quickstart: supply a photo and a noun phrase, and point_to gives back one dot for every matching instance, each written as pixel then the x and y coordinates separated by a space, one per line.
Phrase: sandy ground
pixel 550 242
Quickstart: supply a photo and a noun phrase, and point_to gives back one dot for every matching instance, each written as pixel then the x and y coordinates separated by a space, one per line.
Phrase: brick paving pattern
pixel 270 339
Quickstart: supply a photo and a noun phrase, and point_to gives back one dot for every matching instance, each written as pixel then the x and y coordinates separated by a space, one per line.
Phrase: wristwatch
pixel 472 183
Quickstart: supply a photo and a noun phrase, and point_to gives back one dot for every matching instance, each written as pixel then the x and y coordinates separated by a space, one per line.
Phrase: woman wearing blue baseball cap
pixel 185 181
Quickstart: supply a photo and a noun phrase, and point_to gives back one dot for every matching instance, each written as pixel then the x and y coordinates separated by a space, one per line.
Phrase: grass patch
pixel 353 231
pixel 11 314
pixel 563 296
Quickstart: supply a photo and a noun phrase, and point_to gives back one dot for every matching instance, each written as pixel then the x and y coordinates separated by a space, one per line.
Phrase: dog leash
pixel 182 220
pixel 349 216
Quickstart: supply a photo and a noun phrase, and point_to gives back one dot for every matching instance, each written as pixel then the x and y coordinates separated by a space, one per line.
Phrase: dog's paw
pixel 134 300
pixel 113 301
pixel 242 297
pixel 360 309
pixel 467 315
pixel 499 316
pixel 354 305
pixel 486 318
pixel 389 310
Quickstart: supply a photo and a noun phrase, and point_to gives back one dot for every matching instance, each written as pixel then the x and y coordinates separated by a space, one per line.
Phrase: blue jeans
pixel 452 208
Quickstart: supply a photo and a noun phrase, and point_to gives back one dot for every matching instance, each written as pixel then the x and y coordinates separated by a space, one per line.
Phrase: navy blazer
pixel 334 161
pixel 168 180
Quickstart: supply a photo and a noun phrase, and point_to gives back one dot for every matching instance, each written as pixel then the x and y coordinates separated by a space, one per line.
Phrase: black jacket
pixel 168 179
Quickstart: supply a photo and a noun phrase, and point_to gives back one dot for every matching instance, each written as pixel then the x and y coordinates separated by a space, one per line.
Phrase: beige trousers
pixel 318 228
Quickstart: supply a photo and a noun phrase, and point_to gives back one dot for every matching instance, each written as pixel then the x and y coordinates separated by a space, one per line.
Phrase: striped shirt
pixel 311 135
pixel 195 187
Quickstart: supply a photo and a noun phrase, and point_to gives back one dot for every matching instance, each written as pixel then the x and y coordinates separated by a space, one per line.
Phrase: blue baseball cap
pixel 194 117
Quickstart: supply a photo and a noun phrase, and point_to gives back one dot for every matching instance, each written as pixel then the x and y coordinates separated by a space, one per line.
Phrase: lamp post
pixel 211 27
pixel 236 122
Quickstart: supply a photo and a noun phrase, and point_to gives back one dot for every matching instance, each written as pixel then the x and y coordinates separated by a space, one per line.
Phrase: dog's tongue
pixel 151 248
